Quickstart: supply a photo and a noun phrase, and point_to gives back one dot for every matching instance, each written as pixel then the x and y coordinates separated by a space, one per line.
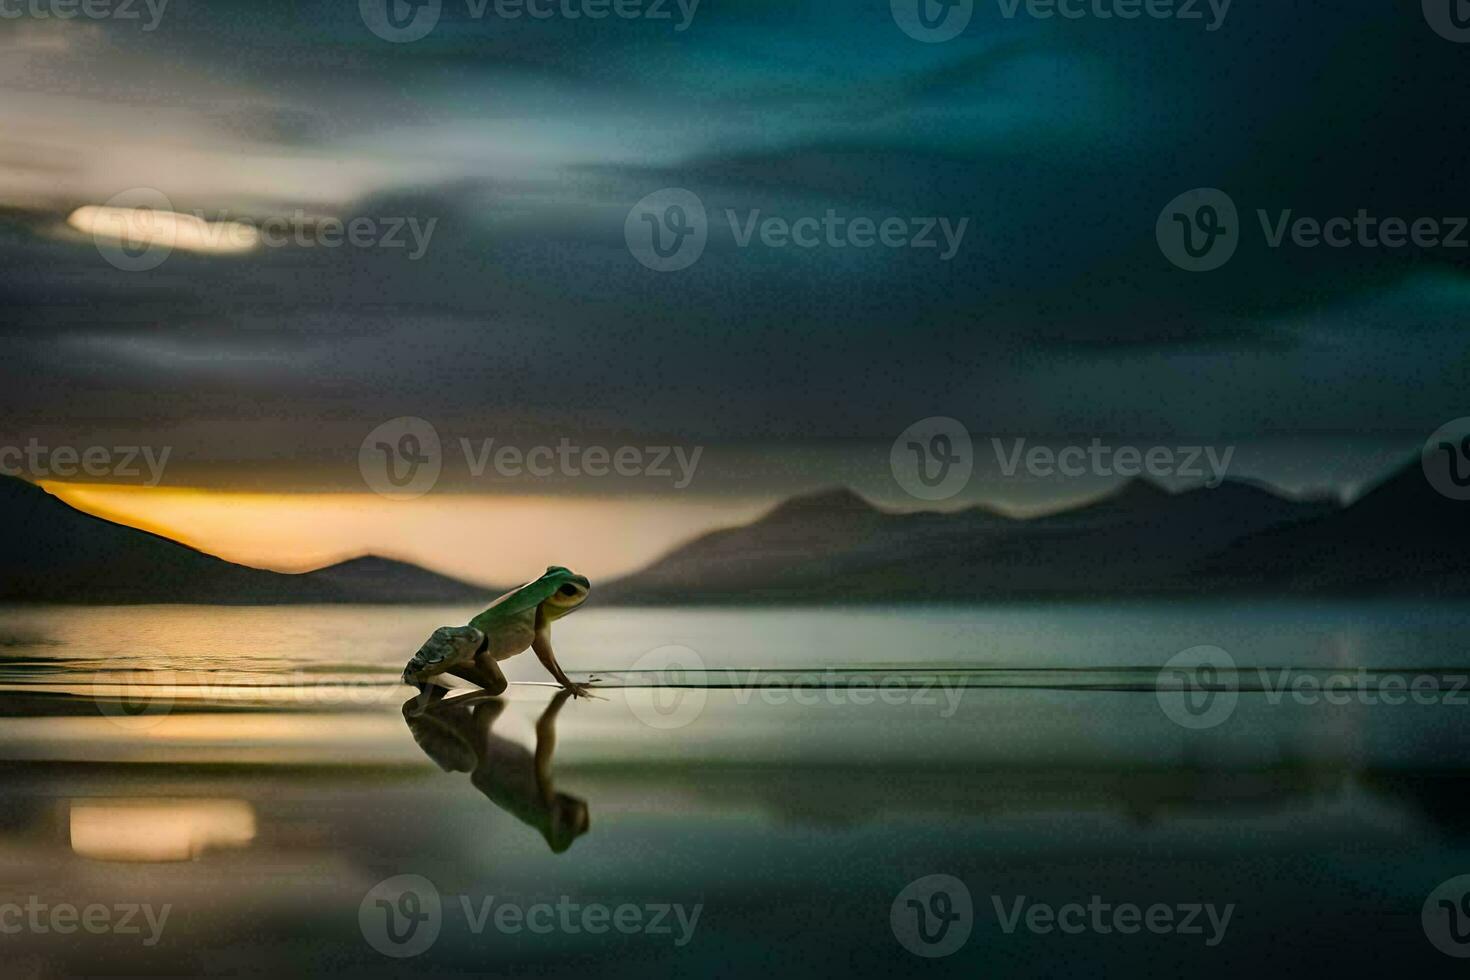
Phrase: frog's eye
pixel 568 589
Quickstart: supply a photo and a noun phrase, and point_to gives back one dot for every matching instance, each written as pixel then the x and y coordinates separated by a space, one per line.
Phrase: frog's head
pixel 570 819
pixel 569 590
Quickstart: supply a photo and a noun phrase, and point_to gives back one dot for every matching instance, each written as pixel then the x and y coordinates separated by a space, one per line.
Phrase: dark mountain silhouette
pixel 1401 536
pixel 55 553
pixel 1141 540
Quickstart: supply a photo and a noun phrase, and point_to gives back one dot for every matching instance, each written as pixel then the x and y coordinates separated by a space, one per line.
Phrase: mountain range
pixel 56 553
pixel 1400 538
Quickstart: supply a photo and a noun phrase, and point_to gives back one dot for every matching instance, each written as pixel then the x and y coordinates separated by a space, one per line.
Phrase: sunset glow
pixel 492 540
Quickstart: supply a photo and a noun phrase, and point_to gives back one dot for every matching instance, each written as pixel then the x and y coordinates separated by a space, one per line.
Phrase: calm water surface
pixel 261 772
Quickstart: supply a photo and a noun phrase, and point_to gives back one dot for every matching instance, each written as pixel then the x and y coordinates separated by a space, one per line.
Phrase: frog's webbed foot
pixel 582 690
pixel 450 647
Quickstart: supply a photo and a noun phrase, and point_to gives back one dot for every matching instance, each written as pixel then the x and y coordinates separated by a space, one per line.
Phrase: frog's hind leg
pixel 449 646
pixel 485 672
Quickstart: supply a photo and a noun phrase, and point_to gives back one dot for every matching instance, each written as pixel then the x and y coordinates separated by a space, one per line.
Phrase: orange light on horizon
pixel 491 540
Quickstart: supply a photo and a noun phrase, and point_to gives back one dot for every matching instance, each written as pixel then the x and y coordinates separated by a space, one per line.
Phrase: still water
pixel 765 790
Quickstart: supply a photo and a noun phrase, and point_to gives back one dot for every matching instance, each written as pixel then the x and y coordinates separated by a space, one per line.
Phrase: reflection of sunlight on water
pixel 158 830
pixel 264 728
pixel 244 738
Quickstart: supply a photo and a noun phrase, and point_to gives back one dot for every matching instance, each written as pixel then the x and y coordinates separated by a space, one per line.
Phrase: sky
pixel 508 159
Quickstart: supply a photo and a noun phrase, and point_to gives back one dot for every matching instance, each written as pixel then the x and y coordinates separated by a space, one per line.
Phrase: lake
pixel 1112 789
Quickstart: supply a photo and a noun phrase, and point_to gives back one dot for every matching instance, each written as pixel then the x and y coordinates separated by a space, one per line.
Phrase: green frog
pixel 519 619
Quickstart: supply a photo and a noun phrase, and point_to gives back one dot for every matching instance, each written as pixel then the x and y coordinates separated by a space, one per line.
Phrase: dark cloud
pixel 527 143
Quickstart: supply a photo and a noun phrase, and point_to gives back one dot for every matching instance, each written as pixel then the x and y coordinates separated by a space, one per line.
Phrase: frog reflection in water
pixel 457 734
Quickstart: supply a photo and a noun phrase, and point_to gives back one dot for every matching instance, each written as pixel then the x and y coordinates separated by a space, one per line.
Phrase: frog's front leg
pixel 542 645
pixel 546 745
